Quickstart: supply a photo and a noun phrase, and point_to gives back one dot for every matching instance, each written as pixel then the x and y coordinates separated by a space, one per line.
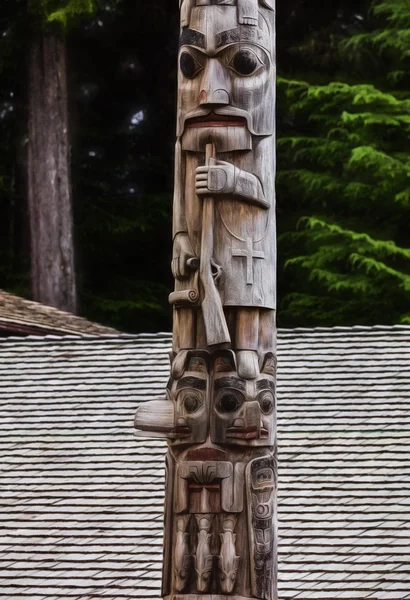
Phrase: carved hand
pixel 182 252
pixel 221 177
pixel 217 178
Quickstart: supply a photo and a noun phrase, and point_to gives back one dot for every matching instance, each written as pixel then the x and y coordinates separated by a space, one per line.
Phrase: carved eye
pixel 229 403
pixel 233 576
pixel 192 403
pixel 222 576
pixel 267 403
pixel 245 62
pixel 183 574
pixel 205 576
pixel 189 66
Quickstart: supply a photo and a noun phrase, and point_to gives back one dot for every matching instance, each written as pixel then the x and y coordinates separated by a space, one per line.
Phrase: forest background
pixel 343 167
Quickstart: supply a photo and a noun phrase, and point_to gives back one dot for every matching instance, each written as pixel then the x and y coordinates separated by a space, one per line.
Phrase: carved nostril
pixel 220 97
pixel 239 423
pixel 203 97
pixel 181 422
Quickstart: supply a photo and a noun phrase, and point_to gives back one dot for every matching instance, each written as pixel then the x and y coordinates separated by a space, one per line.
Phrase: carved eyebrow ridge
pixel 231 382
pixel 191 382
pixel 239 34
pixel 191 37
pixel 265 383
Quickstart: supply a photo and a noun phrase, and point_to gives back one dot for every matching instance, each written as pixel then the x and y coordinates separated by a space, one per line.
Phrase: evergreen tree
pixel 345 159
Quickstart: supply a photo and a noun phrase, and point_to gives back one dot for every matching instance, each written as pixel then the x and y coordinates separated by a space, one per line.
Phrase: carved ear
pixel 198 360
pixel 224 361
pixel 269 364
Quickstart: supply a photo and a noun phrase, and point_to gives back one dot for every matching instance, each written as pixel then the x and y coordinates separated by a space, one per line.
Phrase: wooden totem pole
pixel 218 411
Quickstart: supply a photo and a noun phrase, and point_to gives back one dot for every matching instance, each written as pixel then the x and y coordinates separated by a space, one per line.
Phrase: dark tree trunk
pixel 49 185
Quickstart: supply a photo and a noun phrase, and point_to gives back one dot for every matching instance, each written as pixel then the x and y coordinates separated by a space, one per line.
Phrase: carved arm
pixel 224 178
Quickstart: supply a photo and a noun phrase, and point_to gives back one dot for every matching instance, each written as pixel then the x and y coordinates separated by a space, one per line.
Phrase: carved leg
pixel 247 342
pixel 267 332
pixel 204 559
pixel 200 330
pixel 228 562
pixel 183 558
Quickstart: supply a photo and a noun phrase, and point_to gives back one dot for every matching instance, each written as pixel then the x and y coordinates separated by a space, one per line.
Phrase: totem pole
pixel 218 411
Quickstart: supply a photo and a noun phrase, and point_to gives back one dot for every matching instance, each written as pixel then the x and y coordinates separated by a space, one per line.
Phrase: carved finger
pixel 201 178
pixel 175 270
pixel 202 170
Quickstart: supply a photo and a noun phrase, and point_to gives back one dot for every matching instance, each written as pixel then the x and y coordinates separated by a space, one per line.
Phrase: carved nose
pixel 215 97
pixel 181 422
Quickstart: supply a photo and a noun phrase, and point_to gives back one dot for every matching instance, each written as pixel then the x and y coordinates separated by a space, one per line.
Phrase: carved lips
pixel 215 120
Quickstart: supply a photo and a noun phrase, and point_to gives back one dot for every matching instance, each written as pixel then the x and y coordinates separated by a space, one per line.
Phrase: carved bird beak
pixel 156 416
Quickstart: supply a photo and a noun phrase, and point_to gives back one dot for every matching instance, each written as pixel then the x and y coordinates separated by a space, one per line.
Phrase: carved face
pixel 189 397
pixel 226 75
pixel 244 411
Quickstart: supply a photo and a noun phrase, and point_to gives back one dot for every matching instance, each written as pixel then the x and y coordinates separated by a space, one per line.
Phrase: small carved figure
pixel 182 557
pixel 228 561
pixel 204 559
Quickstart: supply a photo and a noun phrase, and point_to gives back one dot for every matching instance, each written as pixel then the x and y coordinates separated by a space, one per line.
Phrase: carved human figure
pixel 226 96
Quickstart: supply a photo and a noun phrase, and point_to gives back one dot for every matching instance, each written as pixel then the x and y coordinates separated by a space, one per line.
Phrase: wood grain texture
pixel 219 410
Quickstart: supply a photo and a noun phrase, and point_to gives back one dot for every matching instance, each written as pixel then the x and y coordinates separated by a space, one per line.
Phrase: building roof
pixel 19 316
pixel 81 498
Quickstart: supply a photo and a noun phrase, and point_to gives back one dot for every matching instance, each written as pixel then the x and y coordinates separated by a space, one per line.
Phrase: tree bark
pixel 49 183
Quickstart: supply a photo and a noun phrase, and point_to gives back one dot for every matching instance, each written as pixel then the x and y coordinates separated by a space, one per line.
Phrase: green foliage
pixel 345 160
pixel 65 12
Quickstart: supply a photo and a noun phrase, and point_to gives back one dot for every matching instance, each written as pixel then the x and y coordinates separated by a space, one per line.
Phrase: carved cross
pixel 249 253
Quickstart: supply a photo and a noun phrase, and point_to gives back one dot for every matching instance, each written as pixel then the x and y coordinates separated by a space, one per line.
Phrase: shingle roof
pixel 21 316
pixel 81 497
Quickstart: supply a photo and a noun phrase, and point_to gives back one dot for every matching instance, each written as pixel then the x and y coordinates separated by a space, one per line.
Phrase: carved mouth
pixel 214 120
pixel 205 454
pixel 264 433
pixel 180 432
pixel 244 433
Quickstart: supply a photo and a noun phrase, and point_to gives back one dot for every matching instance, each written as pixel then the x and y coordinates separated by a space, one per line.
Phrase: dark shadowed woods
pixel 100 144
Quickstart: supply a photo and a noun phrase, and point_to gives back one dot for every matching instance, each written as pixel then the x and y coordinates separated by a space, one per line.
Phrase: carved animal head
pixel 226 68
pixel 188 395
pixel 228 562
pixel 244 410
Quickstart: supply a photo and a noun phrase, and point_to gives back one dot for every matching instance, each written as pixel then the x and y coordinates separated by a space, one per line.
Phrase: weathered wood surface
pixel 220 405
